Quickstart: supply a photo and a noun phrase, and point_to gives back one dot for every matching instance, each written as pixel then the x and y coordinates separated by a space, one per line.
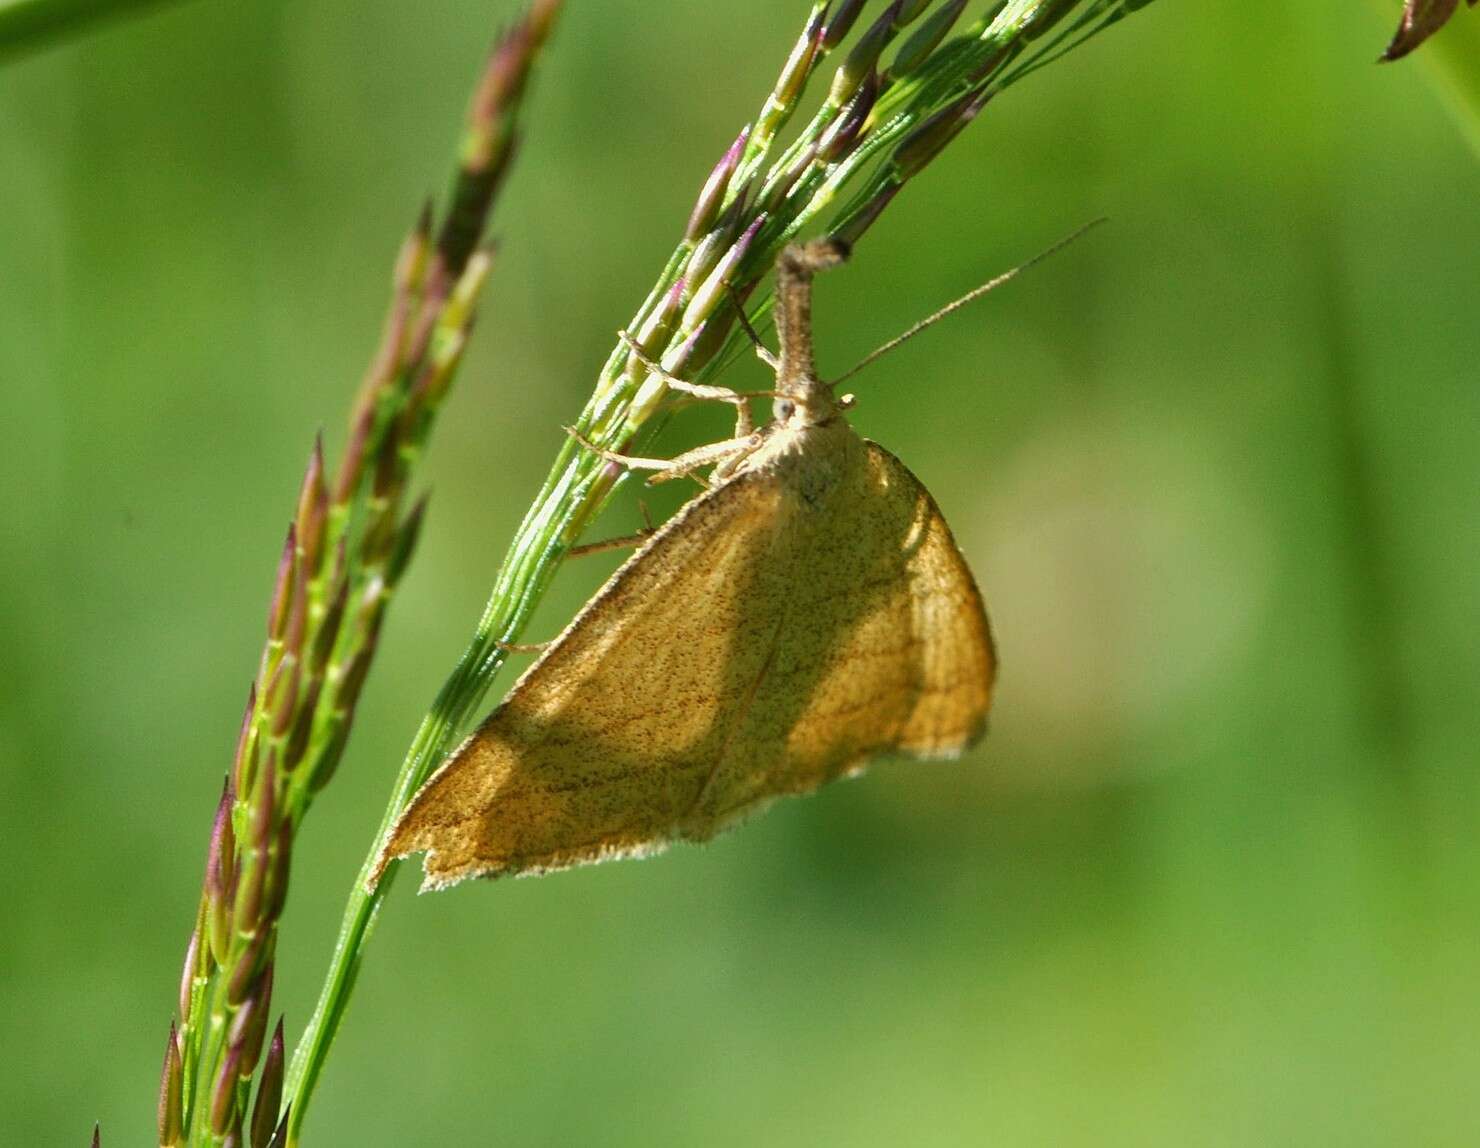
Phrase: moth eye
pixel 784 408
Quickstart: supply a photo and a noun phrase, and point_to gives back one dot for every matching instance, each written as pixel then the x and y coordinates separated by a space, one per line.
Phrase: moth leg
pixel 630 461
pixel 524 647
pixel 619 543
pixel 723 469
pixel 683 386
pixel 716 454
pixel 637 538
pixel 744 422
pixel 622 542
pixel 680 466
pixel 762 352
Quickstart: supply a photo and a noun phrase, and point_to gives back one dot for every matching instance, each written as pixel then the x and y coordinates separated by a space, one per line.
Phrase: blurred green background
pixel 1213 877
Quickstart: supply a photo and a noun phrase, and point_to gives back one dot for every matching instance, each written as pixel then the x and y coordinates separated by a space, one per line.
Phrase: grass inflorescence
pixel 350 539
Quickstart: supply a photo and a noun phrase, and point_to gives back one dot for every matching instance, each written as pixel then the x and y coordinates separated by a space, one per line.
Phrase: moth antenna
pixel 975 293
pixel 762 351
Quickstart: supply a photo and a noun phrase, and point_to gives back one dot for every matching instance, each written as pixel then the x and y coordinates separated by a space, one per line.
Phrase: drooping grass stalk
pixel 903 88
pixel 349 542
pixel 28 25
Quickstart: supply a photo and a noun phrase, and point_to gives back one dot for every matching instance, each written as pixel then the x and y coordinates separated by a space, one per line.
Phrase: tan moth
pixel 807 613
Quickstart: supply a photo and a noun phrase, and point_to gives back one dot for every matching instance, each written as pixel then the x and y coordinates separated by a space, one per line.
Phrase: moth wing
pixel 885 649
pixel 602 746
pixel 778 633
pixel 953 655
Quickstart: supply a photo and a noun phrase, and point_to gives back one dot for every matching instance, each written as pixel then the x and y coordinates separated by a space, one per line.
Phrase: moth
pixel 807 613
